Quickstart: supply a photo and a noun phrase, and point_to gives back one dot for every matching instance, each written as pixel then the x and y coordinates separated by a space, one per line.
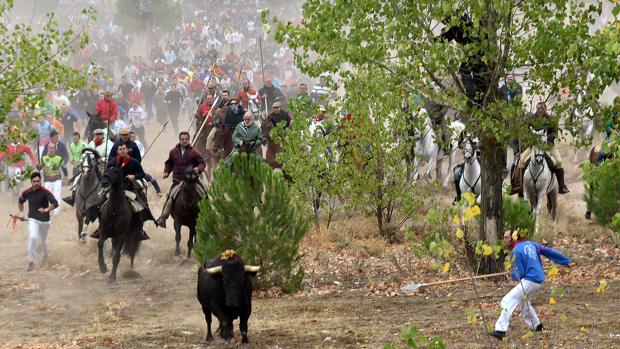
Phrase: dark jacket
pixel 132 167
pixel 233 118
pixel 178 164
pixel 132 148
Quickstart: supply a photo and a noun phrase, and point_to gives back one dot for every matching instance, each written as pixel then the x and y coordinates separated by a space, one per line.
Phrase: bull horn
pixel 214 270
pixel 251 268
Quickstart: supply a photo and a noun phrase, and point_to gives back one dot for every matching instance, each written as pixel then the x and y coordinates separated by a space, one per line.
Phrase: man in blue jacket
pixel 527 269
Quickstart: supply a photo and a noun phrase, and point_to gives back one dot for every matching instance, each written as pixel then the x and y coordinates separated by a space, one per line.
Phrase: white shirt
pixel 136 116
pixel 101 149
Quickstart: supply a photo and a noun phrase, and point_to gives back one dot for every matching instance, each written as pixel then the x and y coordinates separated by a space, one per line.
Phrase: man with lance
pixel 180 158
pixel 204 124
pixel 244 95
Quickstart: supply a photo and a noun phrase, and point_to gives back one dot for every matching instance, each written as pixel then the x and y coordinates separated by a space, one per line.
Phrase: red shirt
pixel 135 97
pixel 108 110
pixel 203 111
pixel 15 152
pixel 244 97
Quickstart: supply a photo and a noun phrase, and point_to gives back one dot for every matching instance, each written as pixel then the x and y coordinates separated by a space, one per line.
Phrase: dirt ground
pixel 352 297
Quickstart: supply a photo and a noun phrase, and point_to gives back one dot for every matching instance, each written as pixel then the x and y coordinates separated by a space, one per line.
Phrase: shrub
pixel 249 210
pixel 517 215
pixel 602 192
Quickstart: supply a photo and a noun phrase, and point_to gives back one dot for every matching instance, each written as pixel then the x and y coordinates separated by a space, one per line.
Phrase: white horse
pixel 254 108
pixel 470 179
pixel 427 150
pixel 538 180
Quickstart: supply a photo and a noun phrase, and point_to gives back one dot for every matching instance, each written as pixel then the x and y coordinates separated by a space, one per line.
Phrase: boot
pixel 95 234
pixel 560 175
pixel 70 199
pixel 143 235
pixel 161 221
pixel 516 181
pixel 539 328
pixel 457 172
pixel 498 334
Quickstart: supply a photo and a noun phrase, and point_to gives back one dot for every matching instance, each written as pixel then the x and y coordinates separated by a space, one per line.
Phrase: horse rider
pixel 436 113
pixel 244 95
pixel 276 117
pixel 541 120
pixel 103 146
pixel 180 158
pixel 234 116
pixel 134 174
pixel 613 124
pixel 247 135
pixel 132 147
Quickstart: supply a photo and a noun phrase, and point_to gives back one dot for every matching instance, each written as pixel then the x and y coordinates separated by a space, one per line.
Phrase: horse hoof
pixel 111 279
pixel 103 269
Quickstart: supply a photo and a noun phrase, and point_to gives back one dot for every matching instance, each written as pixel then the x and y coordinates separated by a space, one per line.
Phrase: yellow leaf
pixel 472 319
pixel 468 215
pixel 487 250
pixel 446 267
pixel 552 301
pixel 602 286
pixel 476 210
pixel 553 272
pixel 584 330
pixel 470 197
pixel 460 234
pixel 507 264
pixel 529 334
pixel 456 219
pixel 515 234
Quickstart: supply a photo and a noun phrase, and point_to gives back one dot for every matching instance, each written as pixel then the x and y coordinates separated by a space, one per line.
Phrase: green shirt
pixel 51 167
pixel 76 152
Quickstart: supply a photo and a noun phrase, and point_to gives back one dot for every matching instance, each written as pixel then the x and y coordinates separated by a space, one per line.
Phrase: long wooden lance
pixel 262 66
pixel 191 122
pixel 155 140
pixel 205 121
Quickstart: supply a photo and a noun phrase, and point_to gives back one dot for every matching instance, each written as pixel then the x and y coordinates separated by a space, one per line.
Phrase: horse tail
pixel 132 243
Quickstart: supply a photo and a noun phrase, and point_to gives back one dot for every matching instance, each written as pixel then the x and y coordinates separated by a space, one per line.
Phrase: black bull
pixel 225 290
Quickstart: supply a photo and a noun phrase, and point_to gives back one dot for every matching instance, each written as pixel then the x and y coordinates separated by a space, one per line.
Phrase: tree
pixel 33 63
pixel 550 43
pixel 146 15
pixel 249 209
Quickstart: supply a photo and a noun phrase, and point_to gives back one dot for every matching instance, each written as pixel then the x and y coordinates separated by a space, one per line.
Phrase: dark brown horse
pixel 185 210
pixel 116 221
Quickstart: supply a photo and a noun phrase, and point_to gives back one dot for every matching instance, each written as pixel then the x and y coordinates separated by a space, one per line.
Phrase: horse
pixel 538 180
pixel 185 210
pixel 427 150
pixel 470 180
pixel 116 221
pixel 87 190
pixel 94 122
pixel 254 108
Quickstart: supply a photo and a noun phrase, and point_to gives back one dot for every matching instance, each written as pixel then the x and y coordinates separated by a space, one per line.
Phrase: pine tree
pixel 249 210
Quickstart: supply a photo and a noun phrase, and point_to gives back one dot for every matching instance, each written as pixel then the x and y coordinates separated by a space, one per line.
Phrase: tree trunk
pixel 492 161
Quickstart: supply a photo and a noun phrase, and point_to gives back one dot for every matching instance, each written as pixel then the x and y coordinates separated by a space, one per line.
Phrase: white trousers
pixel 56 189
pixel 37 230
pixel 519 296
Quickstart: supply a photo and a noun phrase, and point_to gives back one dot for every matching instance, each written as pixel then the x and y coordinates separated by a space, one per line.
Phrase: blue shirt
pixel 527 263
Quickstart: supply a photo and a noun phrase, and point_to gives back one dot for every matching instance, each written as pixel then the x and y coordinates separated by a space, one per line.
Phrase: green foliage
pixel 517 215
pixel 145 15
pixel 310 160
pixel 249 210
pixel 412 338
pixel 615 223
pixel 35 62
pixel 383 51
pixel 602 182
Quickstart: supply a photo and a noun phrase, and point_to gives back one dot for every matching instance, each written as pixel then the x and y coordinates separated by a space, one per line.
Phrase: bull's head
pixel 233 273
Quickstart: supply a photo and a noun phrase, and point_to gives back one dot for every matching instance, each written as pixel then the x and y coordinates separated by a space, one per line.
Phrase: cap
pixel 98 131
pixel 276 105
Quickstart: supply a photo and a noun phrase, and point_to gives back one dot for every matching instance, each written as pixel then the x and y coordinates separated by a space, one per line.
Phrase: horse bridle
pixel 542 169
